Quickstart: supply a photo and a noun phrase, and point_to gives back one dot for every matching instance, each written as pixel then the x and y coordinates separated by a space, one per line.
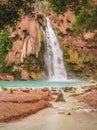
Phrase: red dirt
pixel 19 104
pixel 90 99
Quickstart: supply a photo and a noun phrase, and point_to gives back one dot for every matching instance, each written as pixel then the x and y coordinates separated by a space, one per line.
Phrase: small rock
pixel 68 113
pixel 25 90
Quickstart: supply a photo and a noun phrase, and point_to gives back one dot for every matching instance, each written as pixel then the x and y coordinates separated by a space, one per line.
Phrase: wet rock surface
pixel 21 102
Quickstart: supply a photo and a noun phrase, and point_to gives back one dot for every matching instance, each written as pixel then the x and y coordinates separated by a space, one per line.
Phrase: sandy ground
pixel 55 118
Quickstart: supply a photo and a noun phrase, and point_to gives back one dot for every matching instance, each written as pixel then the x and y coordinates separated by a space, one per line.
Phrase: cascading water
pixel 55 69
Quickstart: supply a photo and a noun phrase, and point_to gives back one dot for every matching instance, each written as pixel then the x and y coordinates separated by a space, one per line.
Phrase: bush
pixel 90 58
pixel 85 20
pixel 5 47
pixel 4 88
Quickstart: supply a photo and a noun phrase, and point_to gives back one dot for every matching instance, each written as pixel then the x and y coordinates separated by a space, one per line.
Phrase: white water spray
pixel 55 69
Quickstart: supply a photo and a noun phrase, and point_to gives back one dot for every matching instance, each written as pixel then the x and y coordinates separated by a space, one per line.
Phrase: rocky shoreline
pixel 19 103
pixel 89 96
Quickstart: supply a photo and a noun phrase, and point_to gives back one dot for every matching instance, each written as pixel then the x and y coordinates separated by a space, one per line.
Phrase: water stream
pixel 55 69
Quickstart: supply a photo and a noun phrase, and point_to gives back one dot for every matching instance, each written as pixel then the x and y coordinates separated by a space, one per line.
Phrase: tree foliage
pixel 84 10
pixel 5 46
pixel 11 10
pixel 60 6
pixel 86 19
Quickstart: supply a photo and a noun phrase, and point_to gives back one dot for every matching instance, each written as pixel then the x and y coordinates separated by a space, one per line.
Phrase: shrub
pixel 90 58
pixel 4 88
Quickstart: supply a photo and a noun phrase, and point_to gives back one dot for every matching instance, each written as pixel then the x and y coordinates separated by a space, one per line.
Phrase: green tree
pixel 84 10
pixel 10 10
pixel 5 46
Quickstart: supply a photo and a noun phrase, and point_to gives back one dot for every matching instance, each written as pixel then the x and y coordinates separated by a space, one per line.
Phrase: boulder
pixel 60 97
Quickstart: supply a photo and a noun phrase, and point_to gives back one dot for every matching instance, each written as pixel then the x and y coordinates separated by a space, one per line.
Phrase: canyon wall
pixel 26 55
pixel 79 51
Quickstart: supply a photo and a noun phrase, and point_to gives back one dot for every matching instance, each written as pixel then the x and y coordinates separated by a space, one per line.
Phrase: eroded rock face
pixel 28 43
pixel 4 76
pixel 80 43
pixel 64 23
pixel 21 103
pixel 24 74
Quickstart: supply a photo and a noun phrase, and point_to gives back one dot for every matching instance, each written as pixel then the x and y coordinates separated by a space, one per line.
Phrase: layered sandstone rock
pixel 21 103
pixel 28 43
pixel 89 98
pixel 4 76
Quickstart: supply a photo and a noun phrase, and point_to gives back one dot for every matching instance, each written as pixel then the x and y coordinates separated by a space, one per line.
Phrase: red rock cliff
pixel 27 31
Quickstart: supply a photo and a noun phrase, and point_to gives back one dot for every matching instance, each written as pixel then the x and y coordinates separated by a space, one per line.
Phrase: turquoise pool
pixel 37 84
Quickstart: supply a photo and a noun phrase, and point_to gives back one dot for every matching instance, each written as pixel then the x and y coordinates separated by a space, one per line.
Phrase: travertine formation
pixel 28 40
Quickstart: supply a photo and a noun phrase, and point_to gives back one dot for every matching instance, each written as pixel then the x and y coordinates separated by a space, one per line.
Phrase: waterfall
pixel 55 69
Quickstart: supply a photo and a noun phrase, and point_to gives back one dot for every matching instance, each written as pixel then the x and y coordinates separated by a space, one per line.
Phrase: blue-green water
pixel 37 84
